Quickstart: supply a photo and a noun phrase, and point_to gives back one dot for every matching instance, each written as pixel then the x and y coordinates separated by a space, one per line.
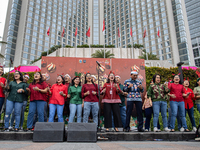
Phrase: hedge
pixel 166 74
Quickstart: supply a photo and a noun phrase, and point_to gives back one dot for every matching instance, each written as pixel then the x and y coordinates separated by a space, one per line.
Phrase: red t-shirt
pixel 111 94
pixel 91 97
pixel 177 90
pixel 188 101
pixel 56 98
pixel 36 95
pixel 2 80
pixel 67 85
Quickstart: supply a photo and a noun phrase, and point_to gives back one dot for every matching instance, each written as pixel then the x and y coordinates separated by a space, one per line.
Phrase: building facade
pixel 36 16
pixel 193 14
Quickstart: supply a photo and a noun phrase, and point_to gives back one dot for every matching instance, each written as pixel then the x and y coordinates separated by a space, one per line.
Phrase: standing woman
pixel 37 90
pixel 111 102
pixel 89 94
pixel 2 88
pixel 177 94
pixel 76 102
pixel 57 100
pixel 197 95
pixel 17 89
pixel 189 106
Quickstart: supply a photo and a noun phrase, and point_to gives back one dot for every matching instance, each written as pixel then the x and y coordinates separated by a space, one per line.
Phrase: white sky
pixel 3 11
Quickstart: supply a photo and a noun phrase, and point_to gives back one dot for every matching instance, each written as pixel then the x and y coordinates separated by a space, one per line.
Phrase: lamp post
pixel 179 65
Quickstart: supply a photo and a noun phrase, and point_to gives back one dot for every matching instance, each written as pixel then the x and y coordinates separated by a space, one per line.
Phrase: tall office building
pixel 193 14
pixel 28 27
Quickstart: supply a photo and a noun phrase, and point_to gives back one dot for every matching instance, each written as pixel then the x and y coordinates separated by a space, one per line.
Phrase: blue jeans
pixel 45 112
pixel 95 109
pixel 1 103
pixel 123 116
pixel 180 108
pixel 21 116
pixel 191 115
pixel 33 106
pixel 10 105
pixel 157 107
pixel 198 108
pixel 52 110
pixel 73 108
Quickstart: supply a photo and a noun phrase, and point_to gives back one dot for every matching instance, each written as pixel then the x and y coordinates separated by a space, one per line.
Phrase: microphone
pixel 98 64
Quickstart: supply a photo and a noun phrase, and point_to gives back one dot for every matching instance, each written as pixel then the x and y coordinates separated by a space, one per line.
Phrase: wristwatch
pixel 39 90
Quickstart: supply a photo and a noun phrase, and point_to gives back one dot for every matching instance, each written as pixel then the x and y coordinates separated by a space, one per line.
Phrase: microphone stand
pixel 99 127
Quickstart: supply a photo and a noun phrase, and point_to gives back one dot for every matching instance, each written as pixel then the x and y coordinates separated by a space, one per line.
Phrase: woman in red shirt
pixel 57 100
pixel 189 106
pixel 89 93
pixel 111 102
pixel 177 94
pixel 2 87
pixel 37 90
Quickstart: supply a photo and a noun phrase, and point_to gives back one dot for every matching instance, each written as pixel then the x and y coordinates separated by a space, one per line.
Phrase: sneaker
pixel 6 130
pixel 10 128
pixel 194 129
pixel 158 130
pixel 167 129
pixel 146 130
pixel 155 129
pixel 182 129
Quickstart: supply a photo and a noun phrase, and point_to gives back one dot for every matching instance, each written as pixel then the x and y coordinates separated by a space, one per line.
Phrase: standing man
pixel 133 87
pixel 123 101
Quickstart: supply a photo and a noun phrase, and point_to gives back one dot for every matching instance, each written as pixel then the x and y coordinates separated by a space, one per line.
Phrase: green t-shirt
pixel 75 94
pixel 122 97
pixel 13 95
pixel 197 90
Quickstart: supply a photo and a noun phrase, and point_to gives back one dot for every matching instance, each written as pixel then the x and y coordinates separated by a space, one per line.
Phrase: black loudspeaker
pixel 49 132
pixel 82 132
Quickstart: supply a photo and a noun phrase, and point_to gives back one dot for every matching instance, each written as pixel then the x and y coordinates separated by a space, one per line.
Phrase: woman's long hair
pixel 108 81
pixel 179 78
pixel 86 80
pixel 154 78
pixel 34 82
pixel 21 76
pixel 63 82
pixel 75 79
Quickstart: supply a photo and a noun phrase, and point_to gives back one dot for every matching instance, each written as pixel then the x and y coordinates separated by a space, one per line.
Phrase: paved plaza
pixel 154 145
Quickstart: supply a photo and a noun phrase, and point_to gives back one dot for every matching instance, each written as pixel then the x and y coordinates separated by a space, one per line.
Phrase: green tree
pixel 2 42
pixel 100 54
pixel 151 56
pixel 135 46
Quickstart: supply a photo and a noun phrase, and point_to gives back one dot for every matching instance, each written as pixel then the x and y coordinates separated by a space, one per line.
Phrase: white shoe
pixel 167 129
pixel 155 129
pixel 182 129
pixel 194 129
pixel 146 130
pixel 10 128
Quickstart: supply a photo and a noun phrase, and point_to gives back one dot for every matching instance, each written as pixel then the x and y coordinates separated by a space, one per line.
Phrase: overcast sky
pixel 3 11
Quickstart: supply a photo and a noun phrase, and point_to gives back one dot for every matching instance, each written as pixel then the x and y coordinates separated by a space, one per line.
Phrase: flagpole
pixel 49 45
pixel 76 45
pixel 62 47
pixel 118 47
pixel 104 45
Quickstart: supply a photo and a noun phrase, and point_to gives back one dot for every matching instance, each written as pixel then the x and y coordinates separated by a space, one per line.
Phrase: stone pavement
pixel 154 145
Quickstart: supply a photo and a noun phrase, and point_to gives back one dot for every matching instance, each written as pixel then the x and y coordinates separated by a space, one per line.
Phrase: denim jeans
pixel 21 116
pixel 73 108
pixel 177 107
pixel 1 103
pixel 191 115
pixel 52 110
pixel 157 107
pixel 34 106
pixel 198 108
pixel 95 109
pixel 10 105
pixel 45 112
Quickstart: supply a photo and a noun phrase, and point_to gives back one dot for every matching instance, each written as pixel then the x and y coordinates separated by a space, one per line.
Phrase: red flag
pixel 63 32
pixel 48 31
pixel 145 32
pixel 76 32
pixel 88 32
pixel 118 33
pixel 131 33
pixel 158 34
pixel 103 25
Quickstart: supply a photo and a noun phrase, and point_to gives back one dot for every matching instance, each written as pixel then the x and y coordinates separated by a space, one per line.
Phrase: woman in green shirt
pixel 17 89
pixel 76 102
pixel 197 95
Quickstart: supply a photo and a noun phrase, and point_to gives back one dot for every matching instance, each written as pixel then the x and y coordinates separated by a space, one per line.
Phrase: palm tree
pixel 151 56
pixel 100 54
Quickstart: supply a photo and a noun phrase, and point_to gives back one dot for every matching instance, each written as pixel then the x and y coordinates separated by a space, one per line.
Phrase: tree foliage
pixel 151 56
pixel 100 54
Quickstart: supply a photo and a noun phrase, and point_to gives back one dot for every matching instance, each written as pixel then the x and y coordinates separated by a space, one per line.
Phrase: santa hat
pixel 67 75
pixel 118 76
pixel 134 72
pixel 93 76
pixel 26 75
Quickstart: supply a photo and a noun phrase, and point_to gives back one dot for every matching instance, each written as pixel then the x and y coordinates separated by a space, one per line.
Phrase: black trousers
pixel 108 115
pixel 138 105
